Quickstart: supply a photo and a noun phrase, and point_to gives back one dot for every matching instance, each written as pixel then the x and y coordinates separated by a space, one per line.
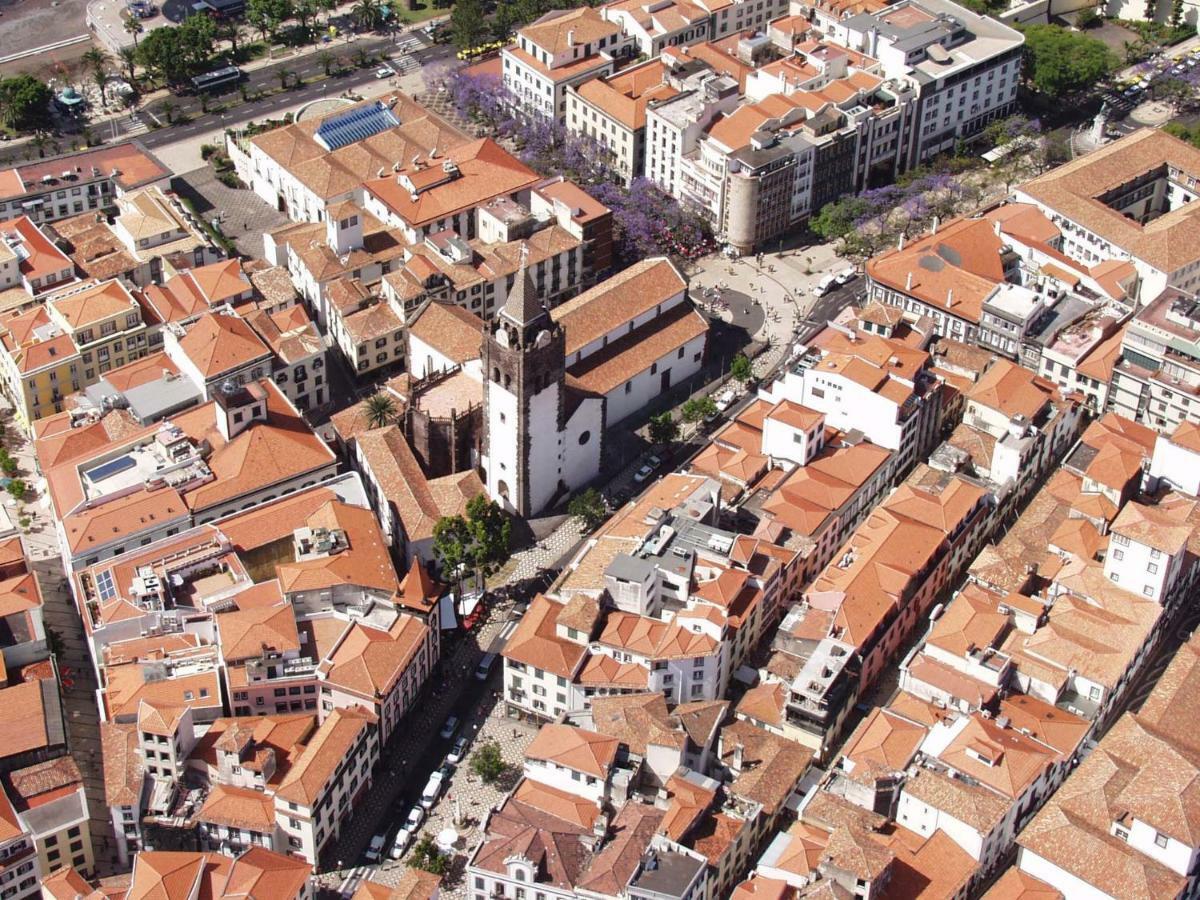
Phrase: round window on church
pixel 584 438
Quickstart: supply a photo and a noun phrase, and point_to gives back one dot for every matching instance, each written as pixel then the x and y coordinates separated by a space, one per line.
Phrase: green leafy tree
pixel 198 37
pixel 663 429
pixel 837 219
pixel 234 33
pixel 17 488
pixel 1059 62
pixel 467 23
pixel 162 53
pixel 381 410
pixel 478 542
pixel 25 103
pixel 488 763
pixel 698 408
pixel 740 368
pixel 426 856
pixel 305 12
pixel 268 15
pixel 1088 18
pixel 588 506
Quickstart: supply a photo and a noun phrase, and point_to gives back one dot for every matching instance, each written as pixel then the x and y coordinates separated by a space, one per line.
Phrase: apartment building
pixel 561 49
pixel 1105 837
pixel 611 110
pixel 61 186
pixel 30 260
pixel 1155 378
pixel 66 344
pixel 50 804
pixel 966 68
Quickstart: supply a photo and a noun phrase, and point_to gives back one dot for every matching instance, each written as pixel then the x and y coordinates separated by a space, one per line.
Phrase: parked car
pixel 433 790
pixel 846 275
pixel 458 751
pixel 416 816
pixel 484 669
pixel 403 838
pixel 385 72
pixel 648 468
pixel 448 728
pixel 375 850
pixel 826 284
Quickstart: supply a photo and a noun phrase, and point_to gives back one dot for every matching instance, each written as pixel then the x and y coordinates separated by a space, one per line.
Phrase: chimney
pixel 935 225
pixel 908 282
pixel 997 228
pixel 738 758
pixel 900 245
pixel 950 298
pixel 570 37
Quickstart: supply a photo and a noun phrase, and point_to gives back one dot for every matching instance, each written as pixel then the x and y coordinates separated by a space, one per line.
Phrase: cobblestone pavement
pixel 244 215
pixel 464 807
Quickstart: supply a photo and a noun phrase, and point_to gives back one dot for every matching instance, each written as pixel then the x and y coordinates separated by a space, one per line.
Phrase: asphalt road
pixel 267 78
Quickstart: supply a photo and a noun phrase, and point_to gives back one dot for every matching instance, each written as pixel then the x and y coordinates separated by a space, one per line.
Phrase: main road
pixel 305 67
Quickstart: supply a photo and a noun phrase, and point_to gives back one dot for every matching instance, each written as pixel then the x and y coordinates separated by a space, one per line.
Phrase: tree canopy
pixel 478 542
pixel 173 53
pixel 25 103
pixel 1059 62
pixel 588 506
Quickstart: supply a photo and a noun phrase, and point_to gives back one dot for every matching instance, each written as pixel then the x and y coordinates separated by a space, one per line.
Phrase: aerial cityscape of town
pixel 599 449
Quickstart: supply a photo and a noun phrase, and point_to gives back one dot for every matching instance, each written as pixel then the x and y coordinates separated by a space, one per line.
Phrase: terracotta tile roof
pixel 1017 885
pixel 624 97
pixel 65 884
pixel 654 639
pixel 23 718
pixel 330 745
pixel 418 589
pixel 765 703
pixel 1168 242
pixel 637 721
pixel 601 670
pixel 419 501
pixel 631 831
pixel 370 662
pixel 574 748
pixel 266 453
pixel 624 297
pixel 261 873
pixel 414 884
pixel 126 686
pixel 1160 526
pixel 536 644
pixel 285 735
pixel 454 332
pixel 217 344
pixel 364 563
pixel 237 807
pixel 926 868
pixel 883 744
pixel 772 766
pixel 484 170
pixel 122 763
pixel 1012 390
pixel 93 305
pixel 543 825
pixel 689 801
pixel 159 718
pixel 1057 728
pixel 167 875
pixel 557 31
pixel 249 633
pixel 636 351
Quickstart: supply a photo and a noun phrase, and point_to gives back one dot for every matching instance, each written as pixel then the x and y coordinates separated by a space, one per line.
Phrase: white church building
pixel 553 381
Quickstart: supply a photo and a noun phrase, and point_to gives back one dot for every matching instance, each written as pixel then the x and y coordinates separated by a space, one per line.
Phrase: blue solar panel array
pixel 105 587
pixel 346 128
pixel 110 468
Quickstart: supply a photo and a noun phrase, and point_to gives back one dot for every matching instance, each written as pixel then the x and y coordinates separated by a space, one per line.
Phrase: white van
pixel 826 284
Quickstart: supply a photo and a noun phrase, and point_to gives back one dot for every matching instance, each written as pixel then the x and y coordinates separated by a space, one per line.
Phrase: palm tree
pixel 367 13
pixel 381 410
pixel 326 58
pixel 233 33
pixel 128 57
pixel 134 27
pixel 168 109
pixel 284 75
pixel 98 60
